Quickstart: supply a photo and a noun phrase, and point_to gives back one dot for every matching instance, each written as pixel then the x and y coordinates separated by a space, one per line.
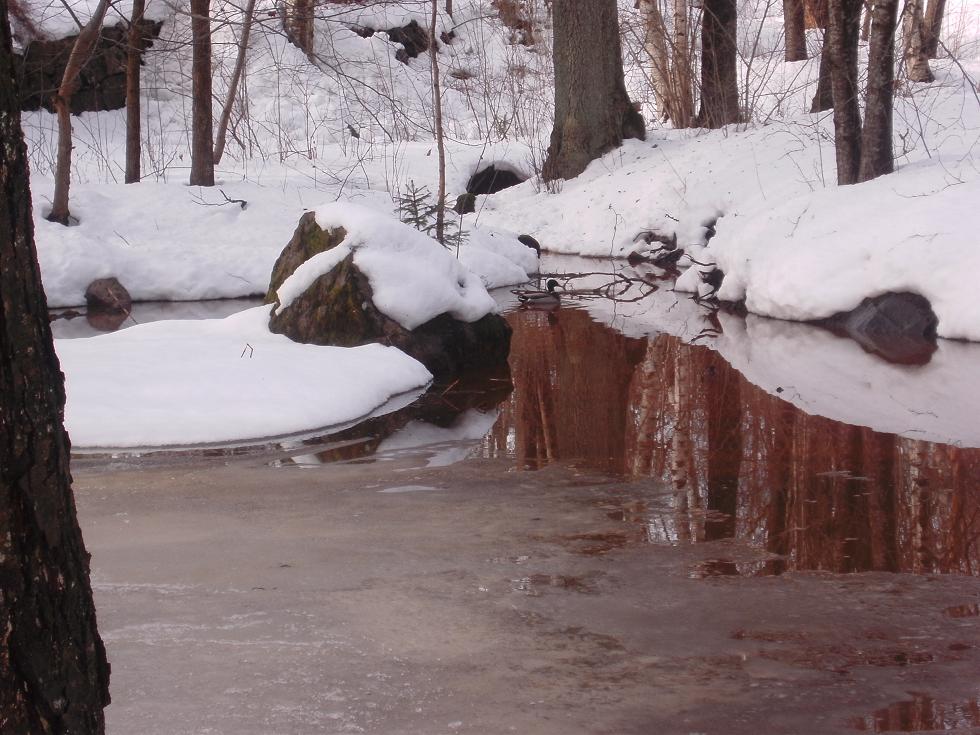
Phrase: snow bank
pixel 413 277
pixel 220 380
pixel 818 372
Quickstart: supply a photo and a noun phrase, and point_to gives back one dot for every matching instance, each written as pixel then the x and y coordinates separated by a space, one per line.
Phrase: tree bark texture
pixel 845 22
pixel 593 113
pixel 236 80
pixel 655 43
pixel 823 100
pixel 133 63
pixel 876 136
pixel 298 22
pixel 933 27
pixel 53 670
pixel 202 120
pixel 914 44
pixel 795 30
pixel 683 64
pixel 719 77
pixel 80 53
pixel 815 13
pixel 437 123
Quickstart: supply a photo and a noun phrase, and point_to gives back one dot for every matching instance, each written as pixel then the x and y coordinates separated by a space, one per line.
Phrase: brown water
pixel 741 463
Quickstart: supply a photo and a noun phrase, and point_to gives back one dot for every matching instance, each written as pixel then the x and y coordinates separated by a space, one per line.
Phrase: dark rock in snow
pixel 102 82
pixel 899 327
pixel 465 204
pixel 413 38
pixel 338 309
pixel 108 294
pixel 491 179
pixel 530 242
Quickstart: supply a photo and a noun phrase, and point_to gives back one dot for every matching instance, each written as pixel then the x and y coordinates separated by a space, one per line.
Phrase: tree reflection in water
pixel 741 463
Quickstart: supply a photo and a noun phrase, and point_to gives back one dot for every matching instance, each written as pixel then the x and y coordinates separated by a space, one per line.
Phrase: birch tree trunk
pixel 655 43
pixel 914 44
pixel 682 77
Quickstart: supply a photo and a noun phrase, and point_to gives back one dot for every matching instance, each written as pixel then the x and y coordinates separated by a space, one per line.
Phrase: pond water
pixel 781 435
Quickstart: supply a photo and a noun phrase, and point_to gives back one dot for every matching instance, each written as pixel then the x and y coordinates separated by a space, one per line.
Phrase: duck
pixel 543 299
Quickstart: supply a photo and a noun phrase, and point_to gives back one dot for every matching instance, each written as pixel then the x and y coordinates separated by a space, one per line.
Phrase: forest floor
pixel 236 596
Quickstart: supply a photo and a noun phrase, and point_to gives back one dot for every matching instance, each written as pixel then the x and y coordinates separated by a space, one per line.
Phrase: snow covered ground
pixel 193 382
pixel 355 128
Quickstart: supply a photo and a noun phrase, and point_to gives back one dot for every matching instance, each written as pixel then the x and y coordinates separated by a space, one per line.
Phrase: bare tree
pixel 914 47
pixel 670 55
pixel 876 136
pixel 88 36
pixel 202 145
pixel 933 27
pixel 593 113
pixel 53 671
pixel 719 76
pixel 843 32
pixel 437 120
pixel 133 62
pixel 823 100
pixel 234 84
pixel 794 25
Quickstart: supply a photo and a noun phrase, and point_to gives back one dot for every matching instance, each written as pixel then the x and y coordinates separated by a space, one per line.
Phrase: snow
pixel 218 380
pixel 413 278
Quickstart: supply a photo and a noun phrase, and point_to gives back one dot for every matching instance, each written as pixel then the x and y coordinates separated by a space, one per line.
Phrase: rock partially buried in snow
pixel 108 294
pixel 350 276
pixel 900 327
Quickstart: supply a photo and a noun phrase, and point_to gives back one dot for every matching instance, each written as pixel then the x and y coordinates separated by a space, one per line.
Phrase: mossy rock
pixel 308 239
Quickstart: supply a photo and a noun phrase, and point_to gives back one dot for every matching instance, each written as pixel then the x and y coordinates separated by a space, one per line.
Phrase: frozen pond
pixel 662 520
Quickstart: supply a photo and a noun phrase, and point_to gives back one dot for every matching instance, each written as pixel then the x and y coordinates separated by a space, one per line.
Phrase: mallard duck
pixel 539 298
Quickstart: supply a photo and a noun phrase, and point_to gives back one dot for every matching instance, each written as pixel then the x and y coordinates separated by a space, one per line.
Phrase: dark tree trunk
pixel 933 27
pixel 823 100
pixel 845 26
pixel 133 56
pixel 53 671
pixel 876 137
pixel 719 78
pixel 795 30
pixel 80 53
pixel 298 22
pixel 593 113
pixel 202 133
pixel 815 13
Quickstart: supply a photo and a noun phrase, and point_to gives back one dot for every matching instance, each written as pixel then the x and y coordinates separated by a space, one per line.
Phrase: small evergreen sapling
pixel 416 207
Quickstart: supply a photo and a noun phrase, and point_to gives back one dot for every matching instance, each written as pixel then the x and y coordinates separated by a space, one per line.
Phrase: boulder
pixel 338 308
pixel 899 327
pixel 108 294
pixel 102 82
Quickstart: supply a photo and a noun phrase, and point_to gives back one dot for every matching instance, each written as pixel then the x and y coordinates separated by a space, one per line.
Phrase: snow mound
pixel 220 380
pixel 413 277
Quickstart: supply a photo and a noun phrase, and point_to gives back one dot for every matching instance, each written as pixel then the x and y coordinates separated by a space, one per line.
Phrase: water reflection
pixel 740 462
pixel 921 713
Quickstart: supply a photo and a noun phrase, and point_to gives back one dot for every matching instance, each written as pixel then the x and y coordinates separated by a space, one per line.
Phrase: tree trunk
pixel 719 78
pixel 933 27
pixel 236 79
pixel 80 53
pixel 815 13
pixel 683 80
pixel 593 113
pixel 202 143
pixel 845 21
pixel 876 137
pixel 823 100
pixel 655 43
pixel 437 120
pixel 914 50
pixel 133 58
pixel 299 24
pixel 53 671
pixel 795 30
pixel 866 23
